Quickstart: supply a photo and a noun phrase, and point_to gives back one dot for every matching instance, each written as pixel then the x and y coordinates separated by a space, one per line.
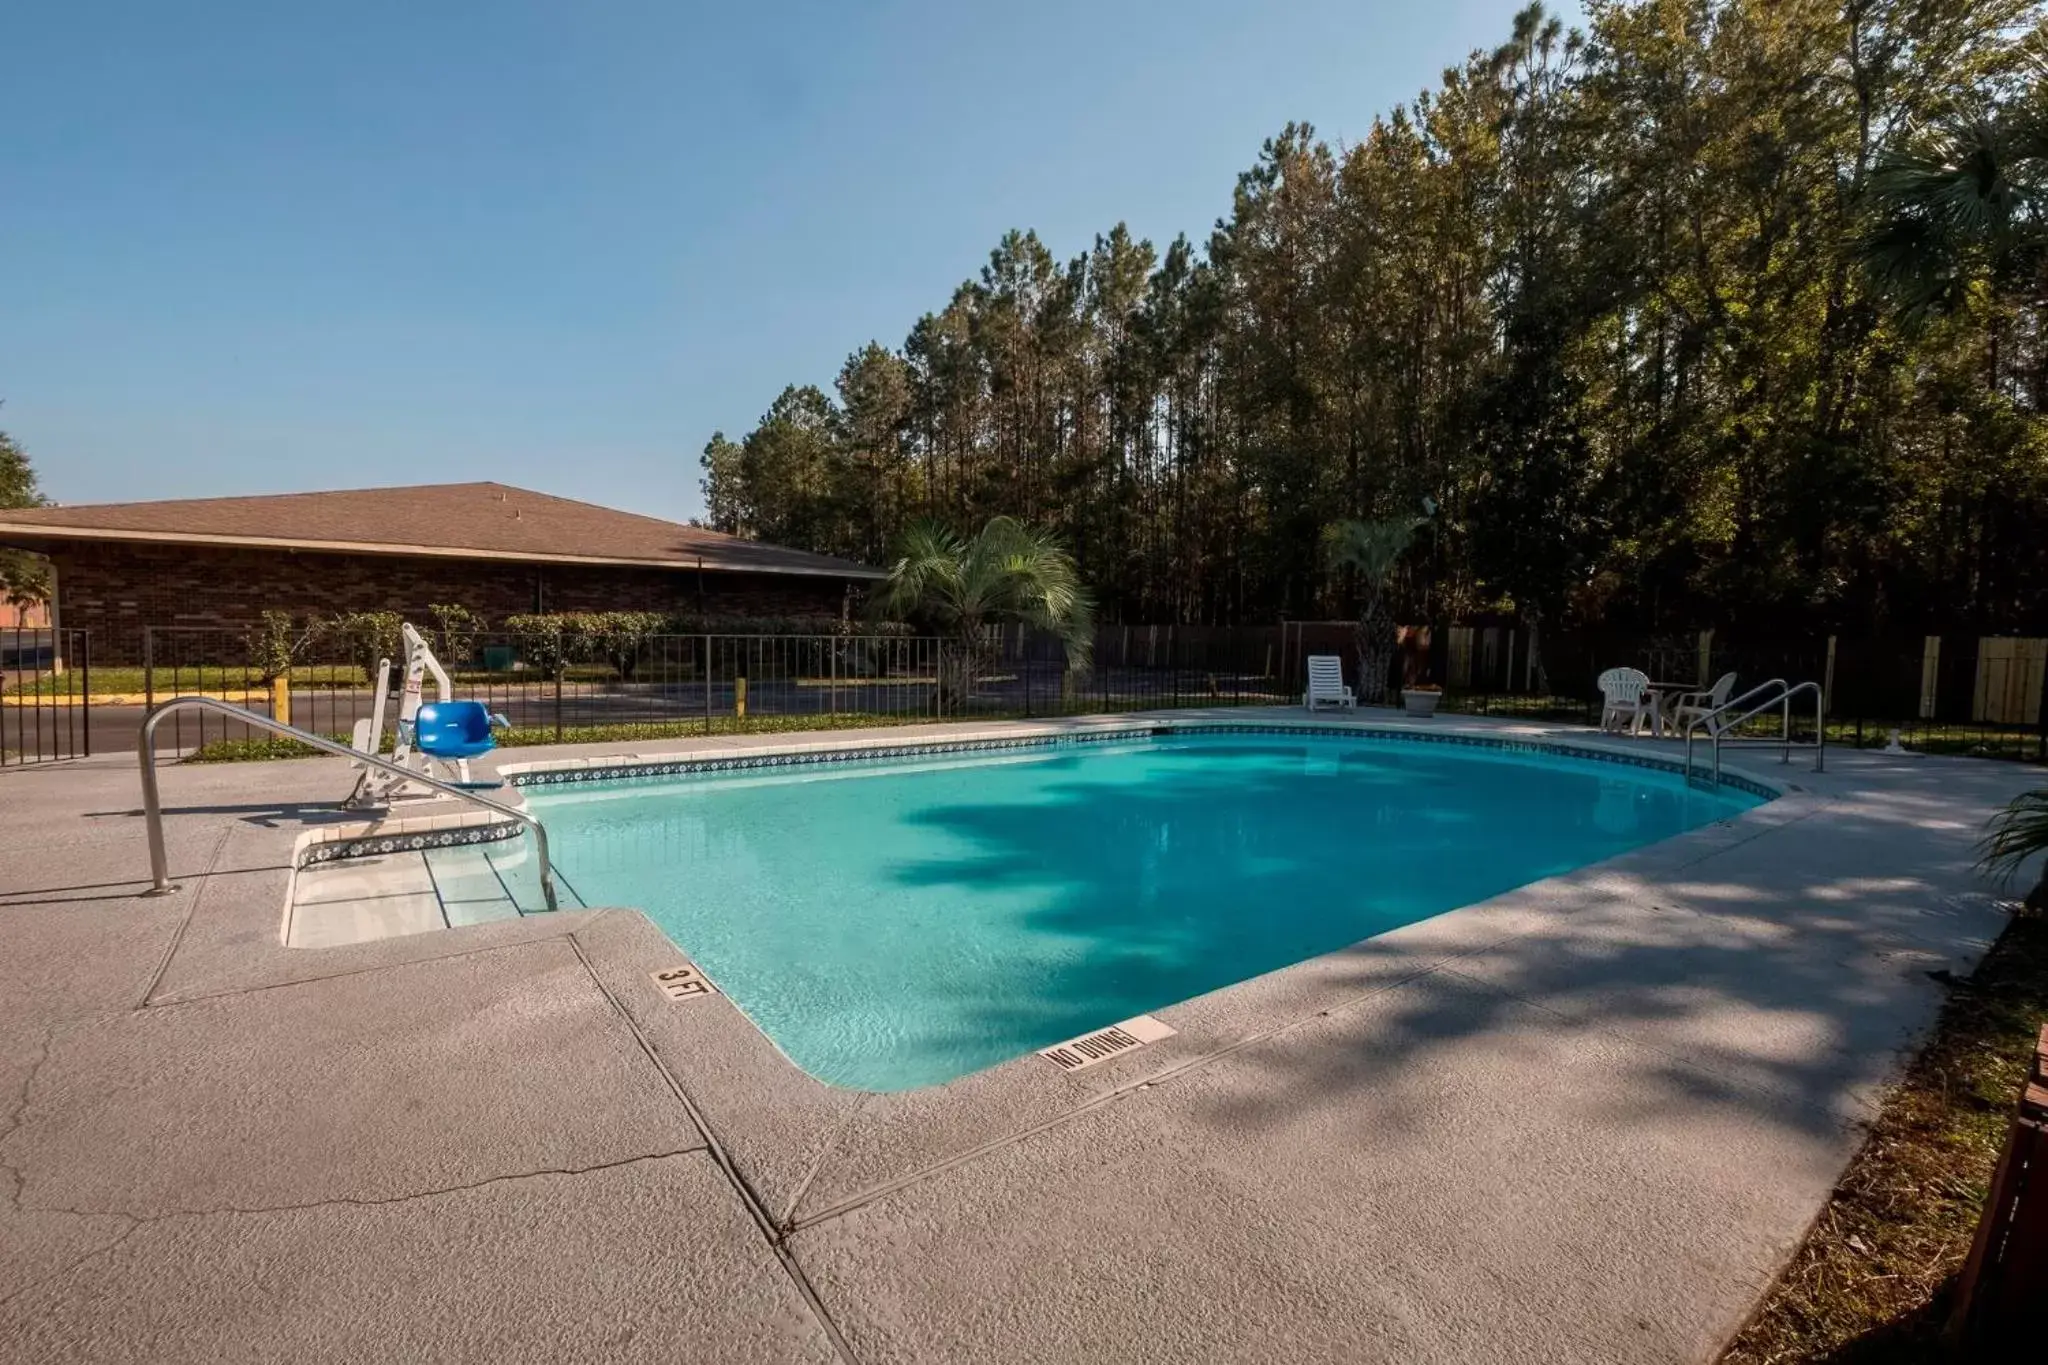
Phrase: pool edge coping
pixel 690 761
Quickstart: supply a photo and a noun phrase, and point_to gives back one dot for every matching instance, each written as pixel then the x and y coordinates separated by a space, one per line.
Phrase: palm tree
pixel 959 587
pixel 1971 202
pixel 2017 833
pixel 1371 549
pixel 1968 201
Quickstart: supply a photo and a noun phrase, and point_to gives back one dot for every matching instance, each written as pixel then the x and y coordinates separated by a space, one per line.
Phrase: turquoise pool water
pixel 898 923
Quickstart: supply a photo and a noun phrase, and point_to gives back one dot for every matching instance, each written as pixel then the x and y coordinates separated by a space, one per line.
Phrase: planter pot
pixel 1421 703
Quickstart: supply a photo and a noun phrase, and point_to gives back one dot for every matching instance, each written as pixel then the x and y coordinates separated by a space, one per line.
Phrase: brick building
pixel 495 549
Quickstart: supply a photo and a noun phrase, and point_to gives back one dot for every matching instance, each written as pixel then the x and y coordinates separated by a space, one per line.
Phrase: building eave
pixel 14 532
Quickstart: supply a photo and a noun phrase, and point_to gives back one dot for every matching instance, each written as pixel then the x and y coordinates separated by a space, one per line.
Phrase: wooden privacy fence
pixel 2003 1292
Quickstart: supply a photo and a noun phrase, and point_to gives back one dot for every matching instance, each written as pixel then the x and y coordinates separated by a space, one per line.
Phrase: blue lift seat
pixel 454 729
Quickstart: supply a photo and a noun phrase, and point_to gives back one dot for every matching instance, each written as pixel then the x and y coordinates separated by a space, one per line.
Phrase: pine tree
pixel 1630 307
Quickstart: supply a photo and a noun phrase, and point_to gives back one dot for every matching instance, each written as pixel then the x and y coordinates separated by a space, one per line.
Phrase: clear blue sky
pixel 267 247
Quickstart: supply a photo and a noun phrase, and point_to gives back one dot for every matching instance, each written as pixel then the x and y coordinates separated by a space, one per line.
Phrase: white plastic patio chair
pixel 1326 683
pixel 1690 706
pixel 1625 696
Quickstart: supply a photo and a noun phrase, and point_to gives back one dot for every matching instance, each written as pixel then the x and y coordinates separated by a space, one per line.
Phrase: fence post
pixel 560 668
pixel 85 688
pixel 707 684
pixel 1827 684
pixel 2041 725
pixel 1930 676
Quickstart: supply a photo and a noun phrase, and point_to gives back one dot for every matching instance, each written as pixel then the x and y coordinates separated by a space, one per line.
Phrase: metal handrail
pixel 1780 694
pixel 152 806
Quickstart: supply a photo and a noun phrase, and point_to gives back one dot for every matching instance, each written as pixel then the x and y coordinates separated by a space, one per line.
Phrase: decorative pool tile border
pixel 407 841
pixel 626 770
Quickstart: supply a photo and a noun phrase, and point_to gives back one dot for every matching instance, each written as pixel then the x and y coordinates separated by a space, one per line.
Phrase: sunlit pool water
pixel 898 923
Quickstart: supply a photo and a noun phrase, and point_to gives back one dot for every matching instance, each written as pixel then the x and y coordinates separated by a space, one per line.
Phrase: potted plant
pixel 1420 699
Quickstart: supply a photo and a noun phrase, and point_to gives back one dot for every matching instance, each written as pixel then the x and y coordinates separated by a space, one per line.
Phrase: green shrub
pixel 365 637
pixel 628 731
pixel 458 628
pixel 615 639
pixel 540 641
pixel 275 645
pixel 550 641
pixel 696 623
pixel 609 637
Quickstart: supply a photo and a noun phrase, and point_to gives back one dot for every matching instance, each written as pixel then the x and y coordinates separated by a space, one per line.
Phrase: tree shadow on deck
pixel 1776 975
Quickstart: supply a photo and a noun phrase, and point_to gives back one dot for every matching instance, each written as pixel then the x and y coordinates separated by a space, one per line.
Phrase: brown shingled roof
pixel 456 520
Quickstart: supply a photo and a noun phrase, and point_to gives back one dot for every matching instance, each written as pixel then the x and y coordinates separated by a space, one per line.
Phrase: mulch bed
pixel 1875 1278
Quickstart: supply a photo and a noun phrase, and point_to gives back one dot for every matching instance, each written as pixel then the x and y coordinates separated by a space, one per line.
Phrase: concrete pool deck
pixel 1585 1120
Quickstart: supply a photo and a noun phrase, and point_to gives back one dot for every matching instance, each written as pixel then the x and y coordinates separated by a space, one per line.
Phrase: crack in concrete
pixel 775 1236
pixel 803 1187
pixel 147 1219
pixel 133 1227
pixel 185 921
pixel 1821 805
pixel 19 1107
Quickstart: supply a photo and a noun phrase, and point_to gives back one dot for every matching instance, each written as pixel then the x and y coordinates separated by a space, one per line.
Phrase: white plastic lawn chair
pixel 1625 697
pixel 1326 683
pixel 1691 706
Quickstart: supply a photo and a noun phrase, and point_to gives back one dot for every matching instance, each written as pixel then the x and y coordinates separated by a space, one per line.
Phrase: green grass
pixel 1956 740
pixel 256 750
pixel 115 682
pixel 261 748
pixel 1563 709
pixel 691 729
pixel 125 680
pixel 250 751
pixel 1874 1281
pixel 486 677
pixel 1960 741
pixel 1964 741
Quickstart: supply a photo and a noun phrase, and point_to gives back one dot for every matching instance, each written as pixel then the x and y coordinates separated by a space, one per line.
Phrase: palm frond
pixel 1922 269
pixel 2016 834
pixel 1042 586
pixel 1966 198
pixel 1372 548
pixel 926 578
pixel 1008 571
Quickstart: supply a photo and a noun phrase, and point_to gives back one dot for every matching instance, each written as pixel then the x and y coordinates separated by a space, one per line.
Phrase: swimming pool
pixel 896 922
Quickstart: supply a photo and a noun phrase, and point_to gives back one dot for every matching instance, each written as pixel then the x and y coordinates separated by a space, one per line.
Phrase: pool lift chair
pixel 436 739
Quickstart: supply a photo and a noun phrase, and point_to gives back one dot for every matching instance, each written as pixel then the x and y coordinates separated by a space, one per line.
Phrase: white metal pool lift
pixel 455 731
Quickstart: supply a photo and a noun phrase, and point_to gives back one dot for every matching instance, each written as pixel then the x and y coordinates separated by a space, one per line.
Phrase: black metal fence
pixel 1971 695
pixel 1134 668
pixel 1957 695
pixel 46 693
pixel 658 685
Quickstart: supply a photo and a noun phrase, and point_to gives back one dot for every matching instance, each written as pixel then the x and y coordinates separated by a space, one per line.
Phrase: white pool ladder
pixel 1759 699
pixel 152 805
